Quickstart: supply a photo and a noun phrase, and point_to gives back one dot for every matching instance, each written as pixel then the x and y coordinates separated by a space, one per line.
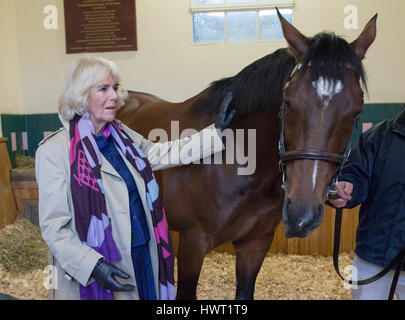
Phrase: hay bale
pixel 22 249
pixel 23 257
pixel 24 162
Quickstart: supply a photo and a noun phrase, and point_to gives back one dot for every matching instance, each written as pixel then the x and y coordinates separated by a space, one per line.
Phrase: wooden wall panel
pixel 8 210
pixel 24 191
pixel 320 242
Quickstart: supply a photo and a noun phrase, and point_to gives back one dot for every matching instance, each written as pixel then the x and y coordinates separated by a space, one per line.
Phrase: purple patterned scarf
pixel 92 221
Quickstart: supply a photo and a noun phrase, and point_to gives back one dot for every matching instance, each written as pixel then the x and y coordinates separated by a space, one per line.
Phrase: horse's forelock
pixel 331 56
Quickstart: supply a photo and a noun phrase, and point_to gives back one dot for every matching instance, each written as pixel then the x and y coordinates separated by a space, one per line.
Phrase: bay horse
pixel 210 204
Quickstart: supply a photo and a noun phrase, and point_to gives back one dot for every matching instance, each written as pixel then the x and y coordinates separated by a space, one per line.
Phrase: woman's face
pixel 103 97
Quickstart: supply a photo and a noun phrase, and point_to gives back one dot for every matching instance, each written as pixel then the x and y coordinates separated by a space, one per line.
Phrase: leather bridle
pixel 398 262
pixel 292 155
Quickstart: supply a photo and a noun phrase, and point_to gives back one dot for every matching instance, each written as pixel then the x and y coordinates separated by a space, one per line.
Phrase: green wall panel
pixel 14 127
pixel 375 113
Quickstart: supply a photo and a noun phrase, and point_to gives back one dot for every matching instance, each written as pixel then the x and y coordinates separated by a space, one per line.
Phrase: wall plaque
pixel 100 25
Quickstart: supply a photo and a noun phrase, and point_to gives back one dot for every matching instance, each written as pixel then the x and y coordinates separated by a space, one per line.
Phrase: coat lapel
pixel 107 167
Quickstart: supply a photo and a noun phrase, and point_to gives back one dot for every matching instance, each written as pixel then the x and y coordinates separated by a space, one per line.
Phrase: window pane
pixel 209 27
pixel 270 27
pixel 241 25
pixel 240 1
pixel 208 1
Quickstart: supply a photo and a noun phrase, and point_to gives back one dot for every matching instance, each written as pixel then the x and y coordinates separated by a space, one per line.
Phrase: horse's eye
pixel 287 103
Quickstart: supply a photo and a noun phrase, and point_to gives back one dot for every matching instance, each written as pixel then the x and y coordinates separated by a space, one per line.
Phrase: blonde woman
pixel 99 206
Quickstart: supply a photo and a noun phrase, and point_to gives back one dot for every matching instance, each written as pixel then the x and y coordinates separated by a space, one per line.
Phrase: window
pixel 238 20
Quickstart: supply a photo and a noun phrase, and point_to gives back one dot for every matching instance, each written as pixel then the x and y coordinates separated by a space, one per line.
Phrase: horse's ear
pixel 298 44
pixel 366 38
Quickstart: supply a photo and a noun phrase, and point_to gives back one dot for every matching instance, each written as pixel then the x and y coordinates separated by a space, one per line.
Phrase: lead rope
pixel 397 262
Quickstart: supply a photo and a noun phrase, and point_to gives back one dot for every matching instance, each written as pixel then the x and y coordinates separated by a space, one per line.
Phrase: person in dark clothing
pixel 375 178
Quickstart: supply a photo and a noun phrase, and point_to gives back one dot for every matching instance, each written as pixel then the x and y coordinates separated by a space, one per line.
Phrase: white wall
pixel 9 71
pixel 9 76
pixel 167 63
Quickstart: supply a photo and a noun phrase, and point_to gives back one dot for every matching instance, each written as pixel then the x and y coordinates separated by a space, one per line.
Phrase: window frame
pixel 247 6
pixel 257 6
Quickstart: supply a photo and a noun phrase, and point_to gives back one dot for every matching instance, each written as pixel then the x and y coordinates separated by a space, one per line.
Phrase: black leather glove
pixel 104 273
pixel 223 120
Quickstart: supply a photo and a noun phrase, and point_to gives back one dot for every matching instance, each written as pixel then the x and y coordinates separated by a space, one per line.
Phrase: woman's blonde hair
pixel 82 74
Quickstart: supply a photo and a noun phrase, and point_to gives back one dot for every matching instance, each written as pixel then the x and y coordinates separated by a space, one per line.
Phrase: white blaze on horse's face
pixel 327 89
pixel 314 174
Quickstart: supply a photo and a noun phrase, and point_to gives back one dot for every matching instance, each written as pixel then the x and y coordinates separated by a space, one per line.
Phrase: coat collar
pixel 66 123
pixel 105 164
pixel 399 123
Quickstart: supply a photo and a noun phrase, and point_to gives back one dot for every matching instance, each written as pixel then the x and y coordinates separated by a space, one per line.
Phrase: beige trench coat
pixel 73 262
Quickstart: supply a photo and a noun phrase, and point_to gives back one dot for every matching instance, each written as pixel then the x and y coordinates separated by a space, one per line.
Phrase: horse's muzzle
pixel 299 219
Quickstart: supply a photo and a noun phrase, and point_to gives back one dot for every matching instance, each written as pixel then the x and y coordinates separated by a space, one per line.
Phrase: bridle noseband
pixel 285 156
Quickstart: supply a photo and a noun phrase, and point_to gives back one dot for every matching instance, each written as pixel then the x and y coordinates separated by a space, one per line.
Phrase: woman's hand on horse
pixel 223 120
pixel 344 191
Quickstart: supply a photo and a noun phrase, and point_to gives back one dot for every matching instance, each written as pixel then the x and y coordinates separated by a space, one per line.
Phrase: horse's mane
pixel 259 86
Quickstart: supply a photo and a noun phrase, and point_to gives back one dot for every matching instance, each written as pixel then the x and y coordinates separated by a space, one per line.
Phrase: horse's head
pixel 321 102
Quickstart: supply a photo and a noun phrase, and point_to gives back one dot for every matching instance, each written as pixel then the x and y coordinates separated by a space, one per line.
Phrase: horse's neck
pixel 144 112
pixel 136 99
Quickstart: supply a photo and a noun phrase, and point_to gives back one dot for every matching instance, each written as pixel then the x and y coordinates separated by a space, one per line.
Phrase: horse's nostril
pixel 300 219
pixel 286 205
